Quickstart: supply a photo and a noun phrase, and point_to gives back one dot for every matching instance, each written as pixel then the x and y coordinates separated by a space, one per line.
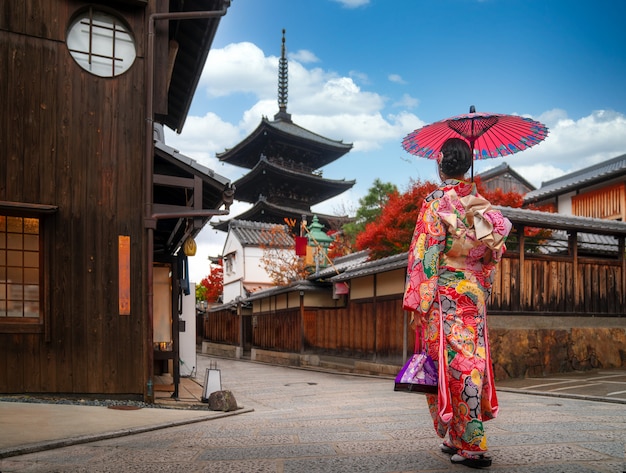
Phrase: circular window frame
pixel 101 42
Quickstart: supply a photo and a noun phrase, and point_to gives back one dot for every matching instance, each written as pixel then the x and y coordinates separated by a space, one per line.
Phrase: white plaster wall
pixel 233 287
pixel 187 339
pixel 254 271
pixel 565 203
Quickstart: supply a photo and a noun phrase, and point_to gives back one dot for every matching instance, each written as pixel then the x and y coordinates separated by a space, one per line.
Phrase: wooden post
pixel 301 321
pixel 621 245
pixel 573 249
pixel 522 278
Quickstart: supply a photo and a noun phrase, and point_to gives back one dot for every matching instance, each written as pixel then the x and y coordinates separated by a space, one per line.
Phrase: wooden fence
pixel 376 328
pixel 558 286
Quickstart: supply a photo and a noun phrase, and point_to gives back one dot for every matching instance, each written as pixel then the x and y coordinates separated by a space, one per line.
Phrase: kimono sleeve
pixel 425 251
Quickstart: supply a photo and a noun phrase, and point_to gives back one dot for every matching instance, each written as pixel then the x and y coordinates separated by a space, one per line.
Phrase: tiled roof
pixel 320 151
pixel 257 233
pixel 303 285
pixel 264 209
pixel 265 174
pixel 292 129
pixel 341 264
pixel 563 222
pixel 584 177
pixel 588 244
pixel 371 267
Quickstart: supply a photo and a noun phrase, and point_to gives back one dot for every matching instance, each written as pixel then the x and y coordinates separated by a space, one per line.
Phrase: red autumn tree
pixel 392 231
pixel 340 246
pixel 211 287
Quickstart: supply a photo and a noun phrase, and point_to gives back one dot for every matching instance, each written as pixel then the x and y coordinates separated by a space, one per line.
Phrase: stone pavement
pixel 297 421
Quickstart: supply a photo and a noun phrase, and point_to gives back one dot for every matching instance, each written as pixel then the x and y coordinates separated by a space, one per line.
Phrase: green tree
pixel 371 207
pixel 391 232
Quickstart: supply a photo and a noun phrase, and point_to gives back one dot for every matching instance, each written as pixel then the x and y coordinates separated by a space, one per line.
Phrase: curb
pixel 66 442
pixel 578 397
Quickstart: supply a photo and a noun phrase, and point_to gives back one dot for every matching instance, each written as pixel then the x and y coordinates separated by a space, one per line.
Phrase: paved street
pixel 307 421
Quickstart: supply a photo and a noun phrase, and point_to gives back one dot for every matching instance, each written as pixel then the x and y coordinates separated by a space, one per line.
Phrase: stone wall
pixel 528 346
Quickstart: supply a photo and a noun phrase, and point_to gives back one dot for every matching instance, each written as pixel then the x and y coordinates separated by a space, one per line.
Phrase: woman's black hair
pixel 457 157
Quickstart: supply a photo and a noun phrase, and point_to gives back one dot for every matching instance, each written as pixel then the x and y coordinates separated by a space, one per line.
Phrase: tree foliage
pixel 279 260
pixel 371 207
pixel 212 286
pixel 391 232
pixel 341 245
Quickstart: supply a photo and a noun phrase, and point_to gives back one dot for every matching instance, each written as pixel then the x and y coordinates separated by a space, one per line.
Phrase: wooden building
pixel 598 191
pixel 284 160
pixel 94 207
pixel 505 178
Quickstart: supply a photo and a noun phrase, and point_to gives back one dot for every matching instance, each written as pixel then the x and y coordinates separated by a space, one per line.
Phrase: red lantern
pixel 301 244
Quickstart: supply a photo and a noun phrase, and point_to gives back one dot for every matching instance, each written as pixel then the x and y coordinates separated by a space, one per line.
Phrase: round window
pixel 101 43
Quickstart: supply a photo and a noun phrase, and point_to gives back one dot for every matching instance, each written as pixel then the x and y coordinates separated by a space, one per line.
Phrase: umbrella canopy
pixel 490 135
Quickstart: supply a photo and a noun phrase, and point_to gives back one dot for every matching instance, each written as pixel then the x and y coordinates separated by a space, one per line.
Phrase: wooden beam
pixel 174 181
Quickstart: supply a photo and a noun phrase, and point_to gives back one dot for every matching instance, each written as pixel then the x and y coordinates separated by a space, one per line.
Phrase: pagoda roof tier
pixel 283 139
pixel 278 183
pixel 263 211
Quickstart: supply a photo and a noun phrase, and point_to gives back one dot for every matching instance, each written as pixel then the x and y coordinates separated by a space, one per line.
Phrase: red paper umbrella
pixel 490 135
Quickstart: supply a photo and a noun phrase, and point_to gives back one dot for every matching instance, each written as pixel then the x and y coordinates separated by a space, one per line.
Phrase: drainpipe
pixel 150 220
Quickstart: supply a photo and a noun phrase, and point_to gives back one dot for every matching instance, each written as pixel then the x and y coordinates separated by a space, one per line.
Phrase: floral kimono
pixel 458 240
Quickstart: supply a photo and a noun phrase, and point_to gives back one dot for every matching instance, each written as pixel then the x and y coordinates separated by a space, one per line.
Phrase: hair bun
pixel 457 157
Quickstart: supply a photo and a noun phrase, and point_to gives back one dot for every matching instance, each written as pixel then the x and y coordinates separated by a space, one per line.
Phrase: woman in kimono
pixel 457 243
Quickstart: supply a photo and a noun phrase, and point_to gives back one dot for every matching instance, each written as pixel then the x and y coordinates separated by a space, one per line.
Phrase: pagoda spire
pixel 283 79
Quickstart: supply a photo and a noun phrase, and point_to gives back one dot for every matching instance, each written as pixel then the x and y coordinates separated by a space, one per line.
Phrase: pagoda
pixel 284 160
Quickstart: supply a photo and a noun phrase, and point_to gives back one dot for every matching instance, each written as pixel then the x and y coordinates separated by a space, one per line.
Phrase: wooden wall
pixel 221 327
pixel 277 330
pixel 74 140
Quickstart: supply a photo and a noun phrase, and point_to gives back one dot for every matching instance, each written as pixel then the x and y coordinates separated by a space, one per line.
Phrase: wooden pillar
pixel 622 254
pixel 240 322
pixel 573 250
pixel 522 269
pixel 375 307
pixel 301 321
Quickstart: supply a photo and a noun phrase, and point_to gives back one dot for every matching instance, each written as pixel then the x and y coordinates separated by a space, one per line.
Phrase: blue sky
pixel 370 71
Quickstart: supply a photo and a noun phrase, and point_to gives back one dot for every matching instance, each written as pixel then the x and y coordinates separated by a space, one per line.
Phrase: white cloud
pixel 353 3
pixel 397 78
pixel 570 145
pixel 359 76
pixel 407 102
pixel 304 56
pixel 239 68
pixel 203 137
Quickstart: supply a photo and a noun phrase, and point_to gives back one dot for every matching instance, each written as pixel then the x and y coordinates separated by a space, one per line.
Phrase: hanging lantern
pixel 189 247
pixel 301 244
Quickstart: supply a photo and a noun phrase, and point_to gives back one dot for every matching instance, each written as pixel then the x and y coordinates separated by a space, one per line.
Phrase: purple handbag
pixel 419 373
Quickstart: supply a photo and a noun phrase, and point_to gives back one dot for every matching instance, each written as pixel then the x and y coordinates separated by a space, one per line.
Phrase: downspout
pixel 150 220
